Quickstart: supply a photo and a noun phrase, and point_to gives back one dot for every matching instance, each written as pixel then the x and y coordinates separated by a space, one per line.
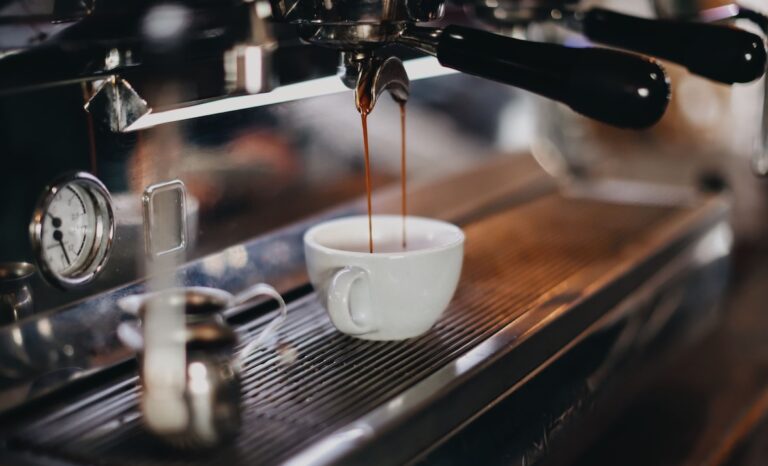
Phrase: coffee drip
pixel 365 106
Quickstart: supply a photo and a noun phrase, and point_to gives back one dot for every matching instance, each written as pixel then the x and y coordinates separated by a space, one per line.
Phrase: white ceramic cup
pixel 391 294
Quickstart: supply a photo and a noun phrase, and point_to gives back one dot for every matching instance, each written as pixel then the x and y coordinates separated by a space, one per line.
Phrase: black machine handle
pixel 614 87
pixel 718 52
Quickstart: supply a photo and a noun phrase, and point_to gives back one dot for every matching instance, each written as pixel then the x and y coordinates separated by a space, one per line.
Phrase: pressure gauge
pixel 72 230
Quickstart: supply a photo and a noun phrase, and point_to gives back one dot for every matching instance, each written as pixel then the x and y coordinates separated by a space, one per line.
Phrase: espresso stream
pixel 364 118
pixel 364 105
pixel 403 177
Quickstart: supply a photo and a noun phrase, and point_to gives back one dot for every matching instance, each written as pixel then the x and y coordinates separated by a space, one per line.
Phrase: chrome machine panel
pixel 540 278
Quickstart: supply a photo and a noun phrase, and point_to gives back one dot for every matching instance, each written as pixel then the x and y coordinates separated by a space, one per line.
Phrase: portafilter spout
pixel 371 76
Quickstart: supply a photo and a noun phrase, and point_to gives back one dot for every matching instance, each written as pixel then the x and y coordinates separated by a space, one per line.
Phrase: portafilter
pixel 617 88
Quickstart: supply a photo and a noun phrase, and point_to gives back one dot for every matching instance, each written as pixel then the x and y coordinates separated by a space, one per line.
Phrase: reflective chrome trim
pixel 147 201
pixel 417 68
pixel 104 235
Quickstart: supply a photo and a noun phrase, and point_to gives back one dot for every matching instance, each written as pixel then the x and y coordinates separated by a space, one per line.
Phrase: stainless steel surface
pixel 114 38
pixel 536 277
pixel 509 13
pixel 46 351
pixel 355 25
pixel 189 376
pixel 545 272
pixel 212 392
pixel 116 105
pixel 421 38
pixel 201 305
pixel 378 11
pixel 377 76
pixel 103 225
pixel 227 48
pixel 248 66
pixel 165 219
pixel 204 411
pixel 416 69
pixel 16 301
pixel 544 417
pixel 247 172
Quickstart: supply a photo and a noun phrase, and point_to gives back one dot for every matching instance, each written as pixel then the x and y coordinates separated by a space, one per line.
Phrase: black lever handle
pixel 717 52
pixel 614 87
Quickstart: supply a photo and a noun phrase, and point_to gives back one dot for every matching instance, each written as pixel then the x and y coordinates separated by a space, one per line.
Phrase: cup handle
pixel 339 302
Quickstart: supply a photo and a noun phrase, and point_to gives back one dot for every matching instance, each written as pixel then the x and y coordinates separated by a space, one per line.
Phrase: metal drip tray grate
pixel 512 259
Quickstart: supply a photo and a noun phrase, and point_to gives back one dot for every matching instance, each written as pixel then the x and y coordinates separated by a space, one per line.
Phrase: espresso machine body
pixel 154 147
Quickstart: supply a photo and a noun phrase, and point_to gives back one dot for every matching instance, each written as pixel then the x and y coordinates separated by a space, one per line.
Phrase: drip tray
pixel 340 395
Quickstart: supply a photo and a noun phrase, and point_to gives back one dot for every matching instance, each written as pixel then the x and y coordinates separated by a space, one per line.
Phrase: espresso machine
pixel 157 146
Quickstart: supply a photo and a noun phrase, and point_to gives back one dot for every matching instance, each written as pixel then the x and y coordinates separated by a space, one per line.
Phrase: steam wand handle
pixel 614 87
pixel 721 53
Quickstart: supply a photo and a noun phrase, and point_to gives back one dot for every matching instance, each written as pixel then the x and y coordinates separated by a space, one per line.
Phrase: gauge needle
pixel 55 220
pixel 59 237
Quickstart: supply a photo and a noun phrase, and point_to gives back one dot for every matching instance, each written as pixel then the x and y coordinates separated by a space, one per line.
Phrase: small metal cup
pixel 211 396
pixel 199 393
pixel 15 292
pixel 212 393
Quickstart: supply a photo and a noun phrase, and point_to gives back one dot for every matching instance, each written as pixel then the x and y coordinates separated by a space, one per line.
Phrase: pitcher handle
pixel 260 289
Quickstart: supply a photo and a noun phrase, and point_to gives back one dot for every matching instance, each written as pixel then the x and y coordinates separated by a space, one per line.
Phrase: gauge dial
pixel 72 230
